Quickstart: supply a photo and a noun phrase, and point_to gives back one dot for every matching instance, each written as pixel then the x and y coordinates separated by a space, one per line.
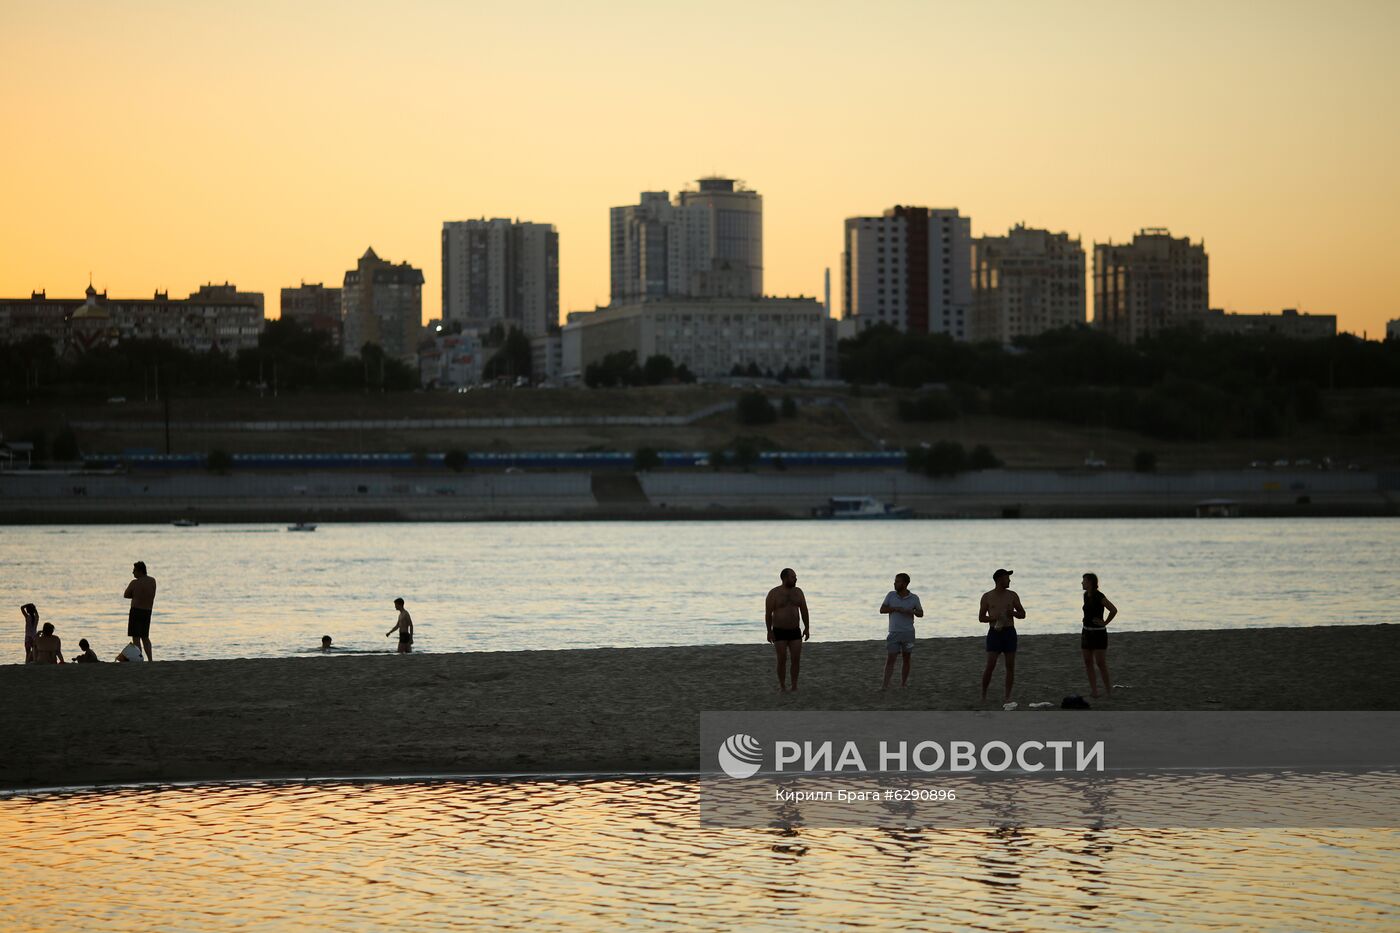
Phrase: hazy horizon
pixel 159 145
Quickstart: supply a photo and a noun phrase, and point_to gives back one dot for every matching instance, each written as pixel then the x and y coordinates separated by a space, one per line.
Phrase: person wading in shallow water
pixel 404 627
pixel 785 606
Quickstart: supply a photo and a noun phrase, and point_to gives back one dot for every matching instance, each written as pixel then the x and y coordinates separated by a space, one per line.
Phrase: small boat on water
pixel 861 507
pixel 302 526
pixel 1217 508
pixel 185 523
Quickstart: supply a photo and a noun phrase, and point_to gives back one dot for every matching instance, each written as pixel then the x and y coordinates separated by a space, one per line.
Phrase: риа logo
pixel 741 756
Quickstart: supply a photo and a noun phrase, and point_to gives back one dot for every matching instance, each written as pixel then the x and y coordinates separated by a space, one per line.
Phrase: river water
pixel 260 591
pixel 629 853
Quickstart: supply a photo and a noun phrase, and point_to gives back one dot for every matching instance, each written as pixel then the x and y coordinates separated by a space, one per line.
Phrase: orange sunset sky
pixel 160 145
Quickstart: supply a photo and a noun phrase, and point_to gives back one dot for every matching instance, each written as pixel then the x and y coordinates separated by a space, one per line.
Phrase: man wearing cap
pixel 1000 609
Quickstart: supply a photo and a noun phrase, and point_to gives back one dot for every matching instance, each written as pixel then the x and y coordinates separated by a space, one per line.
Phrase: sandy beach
pixel 629 709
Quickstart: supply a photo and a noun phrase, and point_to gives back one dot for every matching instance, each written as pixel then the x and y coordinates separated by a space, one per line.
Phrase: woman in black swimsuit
pixel 1093 642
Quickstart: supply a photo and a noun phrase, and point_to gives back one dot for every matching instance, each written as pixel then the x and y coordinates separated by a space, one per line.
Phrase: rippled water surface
pixel 256 590
pixel 628 853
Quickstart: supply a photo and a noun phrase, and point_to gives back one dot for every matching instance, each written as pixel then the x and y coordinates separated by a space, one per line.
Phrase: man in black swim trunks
pixel 785 605
pixel 999 610
pixel 404 627
pixel 142 593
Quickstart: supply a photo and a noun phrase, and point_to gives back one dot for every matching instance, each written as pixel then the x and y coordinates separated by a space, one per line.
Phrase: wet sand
pixel 622 709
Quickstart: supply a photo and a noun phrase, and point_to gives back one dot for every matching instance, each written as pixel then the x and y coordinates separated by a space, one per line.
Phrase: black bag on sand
pixel 1074 702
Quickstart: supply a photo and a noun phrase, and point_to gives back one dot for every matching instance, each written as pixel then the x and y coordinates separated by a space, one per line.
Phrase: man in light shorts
pixel 902 607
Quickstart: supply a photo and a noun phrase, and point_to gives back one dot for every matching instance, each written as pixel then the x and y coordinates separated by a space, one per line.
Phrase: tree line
pixel 1179 385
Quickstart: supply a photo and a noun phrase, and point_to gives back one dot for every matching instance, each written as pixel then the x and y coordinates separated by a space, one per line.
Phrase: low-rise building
pixel 1286 323
pixel 709 336
pixel 547 357
pixel 216 317
pixel 451 360
pixel 1392 329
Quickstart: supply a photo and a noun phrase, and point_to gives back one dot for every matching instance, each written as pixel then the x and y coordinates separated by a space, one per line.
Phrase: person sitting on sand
pixel 48 648
pixel 404 627
pixel 31 630
pixel 785 605
pixel 902 607
pixel 88 656
pixel 131 652
pixel 1093 640
pixel 999 610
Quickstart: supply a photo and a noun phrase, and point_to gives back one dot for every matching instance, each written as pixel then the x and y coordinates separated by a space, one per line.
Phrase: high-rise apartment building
pixel 500 272
pixel 382 303
pixel 1026 283
pixel 314 307
pixel 1152 284
pixel 912 269
pixel 707 243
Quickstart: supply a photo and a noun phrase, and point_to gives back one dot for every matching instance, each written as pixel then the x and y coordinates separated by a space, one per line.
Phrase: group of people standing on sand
pixel 42 646
pixel 789 624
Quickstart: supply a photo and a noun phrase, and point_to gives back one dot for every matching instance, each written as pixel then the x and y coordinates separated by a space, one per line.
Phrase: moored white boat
pixel 861 507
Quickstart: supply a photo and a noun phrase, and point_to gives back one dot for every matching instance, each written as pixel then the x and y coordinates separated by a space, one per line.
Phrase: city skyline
pixel 139 162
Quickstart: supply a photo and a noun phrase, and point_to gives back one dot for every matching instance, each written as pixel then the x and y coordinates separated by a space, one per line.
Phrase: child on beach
pixel 88 656
pixel 31 630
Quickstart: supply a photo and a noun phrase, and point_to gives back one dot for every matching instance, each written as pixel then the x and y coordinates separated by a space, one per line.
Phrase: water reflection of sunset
pixel 628 852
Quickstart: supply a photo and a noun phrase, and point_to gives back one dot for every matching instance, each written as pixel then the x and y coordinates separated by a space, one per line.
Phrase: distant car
pixel 702 462
pixel 1302 463
pixel 1258 464
pixel 514 470
pixel 116 400
pixel 1280 463
pixel 1095 463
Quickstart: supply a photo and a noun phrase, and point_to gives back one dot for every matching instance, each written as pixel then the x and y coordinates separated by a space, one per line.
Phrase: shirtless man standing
pixel 781 610
pixel 142 593
pixel 404 627
pixel 1000 609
